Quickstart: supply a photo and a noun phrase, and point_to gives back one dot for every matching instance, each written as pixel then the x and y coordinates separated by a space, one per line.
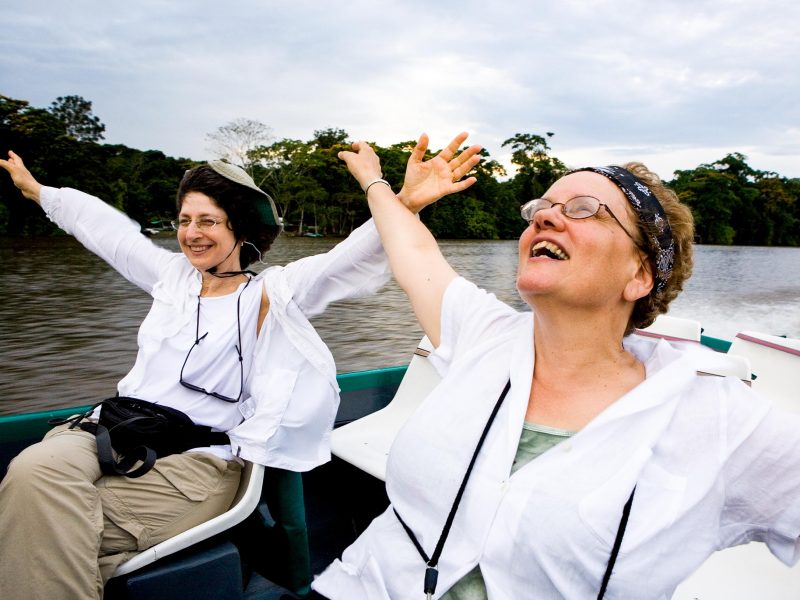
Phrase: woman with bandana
pixel 560 456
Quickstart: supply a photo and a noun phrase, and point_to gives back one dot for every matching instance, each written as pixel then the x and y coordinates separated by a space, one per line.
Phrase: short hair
pixel 240 205
pixel 681 222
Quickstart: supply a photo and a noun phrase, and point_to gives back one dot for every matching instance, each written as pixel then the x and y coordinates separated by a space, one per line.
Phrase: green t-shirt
pixel 534 441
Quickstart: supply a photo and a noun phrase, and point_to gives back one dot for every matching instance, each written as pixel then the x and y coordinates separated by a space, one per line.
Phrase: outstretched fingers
pixel 418 153
pixel 460 186
pixel 465 162
pixel 450 150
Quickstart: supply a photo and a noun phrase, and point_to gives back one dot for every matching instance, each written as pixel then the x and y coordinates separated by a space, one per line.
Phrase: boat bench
pixel 365 442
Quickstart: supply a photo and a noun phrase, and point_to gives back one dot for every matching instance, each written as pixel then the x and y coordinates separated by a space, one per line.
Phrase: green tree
pixel 75 115
pixel 279 167
pixel 779 206
pixel 732 202
pixel 536 169
pixel 708 193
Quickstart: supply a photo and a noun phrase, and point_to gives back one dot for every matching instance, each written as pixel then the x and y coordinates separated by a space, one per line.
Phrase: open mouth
pixel 549 250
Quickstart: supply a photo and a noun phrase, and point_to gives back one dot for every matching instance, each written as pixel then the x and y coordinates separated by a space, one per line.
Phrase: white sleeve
pixel 762 477
pixel 108 233
pixel 355 267
pixel 470 315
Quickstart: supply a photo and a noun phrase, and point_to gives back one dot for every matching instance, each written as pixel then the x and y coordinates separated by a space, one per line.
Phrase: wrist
pixel 402 195
pixel 373 182
pixel 33 192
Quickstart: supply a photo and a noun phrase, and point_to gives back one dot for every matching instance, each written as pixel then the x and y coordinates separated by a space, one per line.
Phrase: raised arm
pixel 101 228
pixel 414 256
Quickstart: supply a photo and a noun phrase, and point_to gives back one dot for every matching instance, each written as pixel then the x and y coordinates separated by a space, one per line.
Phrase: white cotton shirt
pixel 714 465
pixel 213 363
pixel 291 394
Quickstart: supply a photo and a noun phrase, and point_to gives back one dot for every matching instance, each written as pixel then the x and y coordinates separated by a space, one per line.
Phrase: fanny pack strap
pixel 432 562
pixel 200 436
pixel 105 455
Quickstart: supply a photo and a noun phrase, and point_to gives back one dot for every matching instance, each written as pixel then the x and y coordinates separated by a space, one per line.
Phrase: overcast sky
pixel 674 84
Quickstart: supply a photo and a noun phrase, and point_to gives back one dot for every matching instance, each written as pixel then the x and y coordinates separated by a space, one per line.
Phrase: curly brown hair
pixel 239 204
pixel 681 222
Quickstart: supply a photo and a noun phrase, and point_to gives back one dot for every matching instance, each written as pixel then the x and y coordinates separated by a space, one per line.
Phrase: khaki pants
pixel 65 527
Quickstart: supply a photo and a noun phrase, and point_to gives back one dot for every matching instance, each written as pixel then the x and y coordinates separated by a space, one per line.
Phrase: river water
pixel 69 322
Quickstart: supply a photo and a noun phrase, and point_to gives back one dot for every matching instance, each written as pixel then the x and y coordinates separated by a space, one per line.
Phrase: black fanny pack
pixel 141 431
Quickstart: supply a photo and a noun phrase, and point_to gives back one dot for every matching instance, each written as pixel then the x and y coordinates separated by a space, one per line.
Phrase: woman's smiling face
pixel 588 261
pixel 205 236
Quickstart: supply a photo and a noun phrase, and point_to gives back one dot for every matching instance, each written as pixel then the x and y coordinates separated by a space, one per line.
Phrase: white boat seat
pixel 726 365
pixel 243 505
pixel 673 328
pixel 365 442
pixel 776 366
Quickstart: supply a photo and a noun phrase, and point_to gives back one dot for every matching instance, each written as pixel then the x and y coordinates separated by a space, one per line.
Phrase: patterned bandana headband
pixel 651 214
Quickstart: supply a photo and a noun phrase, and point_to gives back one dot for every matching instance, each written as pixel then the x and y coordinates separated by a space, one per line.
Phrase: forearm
pixel 414 257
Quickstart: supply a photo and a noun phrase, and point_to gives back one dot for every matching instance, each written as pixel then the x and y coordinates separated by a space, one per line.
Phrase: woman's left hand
pixel 362 163
pixel 427 181
pixel 21 177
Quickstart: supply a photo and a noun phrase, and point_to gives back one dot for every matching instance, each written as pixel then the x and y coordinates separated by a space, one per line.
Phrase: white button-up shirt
pixel 714 465
pixel 291 394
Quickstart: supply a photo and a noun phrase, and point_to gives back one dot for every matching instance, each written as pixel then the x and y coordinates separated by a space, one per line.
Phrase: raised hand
pixel 21 177
pixel 362 163
pixel 427 181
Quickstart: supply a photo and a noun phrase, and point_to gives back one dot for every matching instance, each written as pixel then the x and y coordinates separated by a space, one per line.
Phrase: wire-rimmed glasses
pixel 577 208
pixel 202 223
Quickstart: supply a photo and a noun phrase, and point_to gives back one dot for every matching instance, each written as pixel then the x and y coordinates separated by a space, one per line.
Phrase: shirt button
pixel 504 486
pixel 567 446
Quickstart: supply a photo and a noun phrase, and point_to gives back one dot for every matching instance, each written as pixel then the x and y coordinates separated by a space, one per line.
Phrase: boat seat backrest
pixel 243 505
pixel 365 442
pixel 676 328
pixel 775 362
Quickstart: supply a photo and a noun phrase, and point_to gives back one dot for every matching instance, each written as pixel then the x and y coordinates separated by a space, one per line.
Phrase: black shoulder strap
pixel 432 573
pixel 623 523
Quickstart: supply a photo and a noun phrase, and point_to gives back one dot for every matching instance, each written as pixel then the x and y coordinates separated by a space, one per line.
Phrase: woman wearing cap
pixel 232 350
pixel 599 438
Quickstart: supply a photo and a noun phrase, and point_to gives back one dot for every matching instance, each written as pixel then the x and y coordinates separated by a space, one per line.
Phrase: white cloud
pixel 674 84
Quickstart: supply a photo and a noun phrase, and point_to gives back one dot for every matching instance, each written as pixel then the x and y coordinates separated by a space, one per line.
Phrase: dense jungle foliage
pixel 732 202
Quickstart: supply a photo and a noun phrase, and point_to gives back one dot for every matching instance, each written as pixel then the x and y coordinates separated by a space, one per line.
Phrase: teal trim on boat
pixel 359 380
pixel 31 426
pixel 717 344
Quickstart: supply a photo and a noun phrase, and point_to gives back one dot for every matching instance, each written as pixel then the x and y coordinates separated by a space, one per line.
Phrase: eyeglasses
pixel 199 338
pixel 577 208
pixel 203 223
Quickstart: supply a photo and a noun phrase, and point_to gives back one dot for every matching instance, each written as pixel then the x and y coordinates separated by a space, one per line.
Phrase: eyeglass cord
pixel 198 338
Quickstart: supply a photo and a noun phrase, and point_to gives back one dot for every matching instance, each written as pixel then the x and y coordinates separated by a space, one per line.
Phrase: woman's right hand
pixel 21 177
pixel 427 181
